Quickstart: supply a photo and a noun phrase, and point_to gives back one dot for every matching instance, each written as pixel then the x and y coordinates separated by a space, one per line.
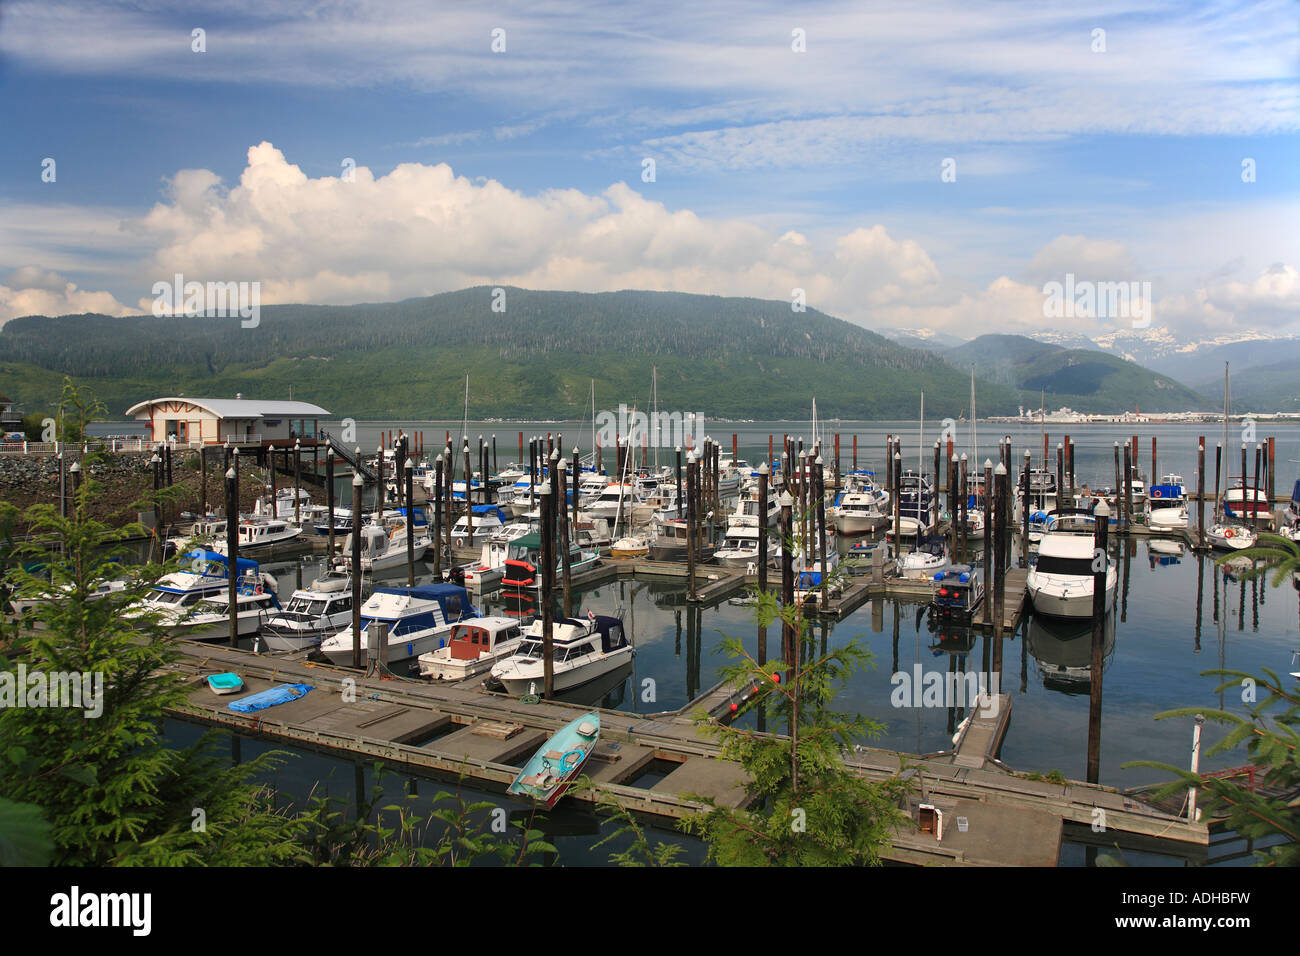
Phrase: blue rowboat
pixel 558 761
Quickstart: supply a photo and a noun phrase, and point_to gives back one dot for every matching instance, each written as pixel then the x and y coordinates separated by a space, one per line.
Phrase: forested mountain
pixel 1083 379
pixel 728 357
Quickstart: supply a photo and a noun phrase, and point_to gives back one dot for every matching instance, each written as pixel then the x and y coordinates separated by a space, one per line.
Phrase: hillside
pixel 1261 388
pixel 1084 379
pixel 724 357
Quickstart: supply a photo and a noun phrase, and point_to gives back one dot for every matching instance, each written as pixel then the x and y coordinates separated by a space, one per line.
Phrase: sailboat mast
pixel 1221 493
pixel 594 464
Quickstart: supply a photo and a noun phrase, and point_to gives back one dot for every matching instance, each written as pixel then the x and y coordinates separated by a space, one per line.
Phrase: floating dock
pixel 992 815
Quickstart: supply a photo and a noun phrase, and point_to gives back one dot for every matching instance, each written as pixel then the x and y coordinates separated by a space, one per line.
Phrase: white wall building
pixel 240 421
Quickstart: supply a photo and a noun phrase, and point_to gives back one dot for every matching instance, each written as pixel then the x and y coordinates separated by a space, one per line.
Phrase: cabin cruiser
pixel 202 574
pixel 342 522
pixel 384 548
pixel 745 514
pixel 582 650
pixel 418 619
pixel 1167 505
pixel 739 548
pixel 204 532
pixel 487 571
pixel 209 620
pixel 472 648
pixel 1043 493
pixel 258 533
pixel 616 499
pixel 311 614
pixel 857 512
pixel 668 541
pixel 1061 582
pixel 487 519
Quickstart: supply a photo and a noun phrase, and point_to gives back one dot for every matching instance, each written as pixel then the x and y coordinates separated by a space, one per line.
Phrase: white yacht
pixel 384 548
pixel 473 647
pixel 582 650
pixel 257 533
pixel 1061 582
pixel 311 614
pixel 928 558
pixel 488 520
pixel 857 512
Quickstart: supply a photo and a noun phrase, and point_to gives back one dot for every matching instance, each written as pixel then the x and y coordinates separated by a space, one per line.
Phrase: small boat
pixel 630 546
pixel 258 533
pixel 668 541
pixel 524 556
pixel 558 761
pixel 489 569
pixel 1224 536
pixel 384 548
pixel 929 557
pixel 227 683
pixel 210 618
pixel 473 647
pixel 342 523
pixel 857 512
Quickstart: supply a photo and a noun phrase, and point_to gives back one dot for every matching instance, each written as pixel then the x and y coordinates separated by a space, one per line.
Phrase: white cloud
pixel 421 229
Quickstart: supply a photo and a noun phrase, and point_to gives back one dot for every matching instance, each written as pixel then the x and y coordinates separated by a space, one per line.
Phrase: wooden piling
pixel 1100 559
pixel 232 547
pixel 357 485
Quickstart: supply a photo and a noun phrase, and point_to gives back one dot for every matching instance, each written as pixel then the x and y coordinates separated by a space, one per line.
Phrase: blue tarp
pixel 269 698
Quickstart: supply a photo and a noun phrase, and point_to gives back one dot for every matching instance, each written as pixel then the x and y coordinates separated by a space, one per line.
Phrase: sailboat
pixel 1223 534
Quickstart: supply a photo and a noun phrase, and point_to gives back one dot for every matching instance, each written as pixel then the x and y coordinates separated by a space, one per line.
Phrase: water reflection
pixel 1063 651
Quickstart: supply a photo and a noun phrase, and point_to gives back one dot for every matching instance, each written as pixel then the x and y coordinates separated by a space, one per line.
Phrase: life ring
pixel 257 589
pixel 1155 492
pixel 1229 533
pixel 577 756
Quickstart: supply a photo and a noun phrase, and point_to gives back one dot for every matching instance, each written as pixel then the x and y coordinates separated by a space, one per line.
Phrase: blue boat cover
pixel 269 698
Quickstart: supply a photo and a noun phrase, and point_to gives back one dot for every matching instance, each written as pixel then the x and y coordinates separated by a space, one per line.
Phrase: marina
pixel 965 766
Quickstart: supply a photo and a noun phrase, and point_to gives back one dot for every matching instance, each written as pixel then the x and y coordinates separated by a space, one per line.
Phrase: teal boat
pixel 227 683
pixel 558 761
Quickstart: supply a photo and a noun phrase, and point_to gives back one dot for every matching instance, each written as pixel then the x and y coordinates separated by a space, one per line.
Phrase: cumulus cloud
pixel 422 229
pixel 31 290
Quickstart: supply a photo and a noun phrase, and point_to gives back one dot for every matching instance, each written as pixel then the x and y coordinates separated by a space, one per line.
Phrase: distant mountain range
pixel 1083 379
pixel 1265 367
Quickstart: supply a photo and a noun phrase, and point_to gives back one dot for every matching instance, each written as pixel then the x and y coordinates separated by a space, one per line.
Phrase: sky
pixel 928 165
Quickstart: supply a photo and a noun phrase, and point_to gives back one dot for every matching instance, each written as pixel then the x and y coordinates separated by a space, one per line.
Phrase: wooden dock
pixel 1015 590
pixel 461 729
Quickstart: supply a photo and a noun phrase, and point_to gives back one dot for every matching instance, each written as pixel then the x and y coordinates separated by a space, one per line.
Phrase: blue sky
pixel 775 169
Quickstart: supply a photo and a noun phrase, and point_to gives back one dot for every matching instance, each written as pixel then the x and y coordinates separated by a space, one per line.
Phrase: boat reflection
pixel 608 691
pixel 1162 553
pixel 1063 650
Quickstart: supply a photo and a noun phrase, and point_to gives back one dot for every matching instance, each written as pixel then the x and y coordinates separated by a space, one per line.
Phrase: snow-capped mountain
pixel 923 338
pixel 1191 358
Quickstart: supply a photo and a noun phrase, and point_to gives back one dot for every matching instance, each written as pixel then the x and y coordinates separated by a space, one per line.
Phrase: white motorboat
pixel 631 546
pixel 418 619
pixel 857 512
pixel 311 614
pixel 524 556
pixel 1167 505
pixel 582 650
pixel 202 574
pixel 384 548
pixel 209 620
pixel 472 648
pixel 616 499
pixel 1061 582
pixel 259 534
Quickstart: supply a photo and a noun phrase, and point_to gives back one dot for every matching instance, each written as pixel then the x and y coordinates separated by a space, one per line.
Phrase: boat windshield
pixel 1078 567
pixel 530 649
